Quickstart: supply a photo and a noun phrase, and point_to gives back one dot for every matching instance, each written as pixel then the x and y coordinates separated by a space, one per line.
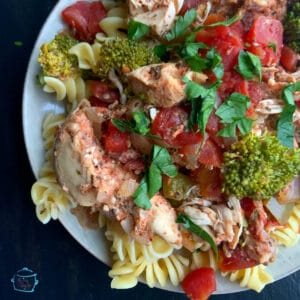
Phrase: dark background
pixel 65 269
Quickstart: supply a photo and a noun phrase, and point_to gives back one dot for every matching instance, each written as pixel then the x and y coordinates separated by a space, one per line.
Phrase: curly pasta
pixel 254 278
pixel 49 198
pixel 289 234
pixel 115 22
pixel 156 262
pixel 50 124
pixel 72 89
pixel 204 259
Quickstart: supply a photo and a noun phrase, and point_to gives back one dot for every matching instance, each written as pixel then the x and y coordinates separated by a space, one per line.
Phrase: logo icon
pixel 24 280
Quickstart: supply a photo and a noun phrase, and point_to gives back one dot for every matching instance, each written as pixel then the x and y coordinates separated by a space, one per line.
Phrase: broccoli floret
pixel 123 55
pixel 259 166
pixel 55 60
pixel 292 26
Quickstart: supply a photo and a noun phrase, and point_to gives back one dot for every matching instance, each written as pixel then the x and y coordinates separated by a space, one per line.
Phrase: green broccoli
pixel 259 166
pixel 291 25
pixel 123 55
pixel 55 60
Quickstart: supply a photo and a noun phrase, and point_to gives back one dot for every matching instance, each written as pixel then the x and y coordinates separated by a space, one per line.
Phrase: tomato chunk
pixel 170 124
pixel 114 140
pixel 210 154
pixel 200 283
pixel 209 181
pixel 227 40
pixel 289 59
pixel 83 19
pixel 239 259
pixel 103 91
pixel 265 39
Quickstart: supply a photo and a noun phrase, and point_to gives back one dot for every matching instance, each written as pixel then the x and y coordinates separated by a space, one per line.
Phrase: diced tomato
pixel 210 154
pixel 103 92
pixel 213 124
pixel 239 259
pixel 169 124
pixel 94 101
pixel 265 39
pixel 226 39
pixel 247 205
pixel 114 140
pixel 83 19
pixel 209 181
pixel 199 284
pixel 289 59
pixel 232 82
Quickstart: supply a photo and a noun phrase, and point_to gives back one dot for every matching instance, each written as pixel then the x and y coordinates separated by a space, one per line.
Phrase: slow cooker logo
pixel 24 280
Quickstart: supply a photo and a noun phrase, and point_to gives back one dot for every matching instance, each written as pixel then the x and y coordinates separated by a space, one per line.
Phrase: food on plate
pixel 181 133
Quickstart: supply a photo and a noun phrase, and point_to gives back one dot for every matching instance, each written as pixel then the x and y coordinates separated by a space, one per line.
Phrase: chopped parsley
pixel 233 113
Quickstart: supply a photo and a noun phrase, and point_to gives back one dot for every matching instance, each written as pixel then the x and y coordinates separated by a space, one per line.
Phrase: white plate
pixel 36 103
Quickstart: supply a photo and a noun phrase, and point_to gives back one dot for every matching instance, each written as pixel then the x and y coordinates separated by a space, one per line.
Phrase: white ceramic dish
pixel 36 104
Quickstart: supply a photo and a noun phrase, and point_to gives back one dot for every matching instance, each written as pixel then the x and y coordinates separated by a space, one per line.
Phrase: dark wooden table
pixel 64 269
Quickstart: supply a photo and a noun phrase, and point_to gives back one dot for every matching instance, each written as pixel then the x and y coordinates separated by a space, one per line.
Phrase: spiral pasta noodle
pixel 115 21
pixel 254 278
pixel 156 262
pixel 71 89
pixel 289 234
pixel 49 198
pixel 204 259
pixel 50 124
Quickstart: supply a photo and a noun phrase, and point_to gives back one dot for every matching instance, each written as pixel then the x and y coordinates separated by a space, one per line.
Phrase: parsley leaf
pixel 214 62
pixel 196 229
pixel 152 181
pixel 232 112
pixel 285 126
pixel 249 65
pixel 140 196
pixel 137 30
pixel 202 100
pixel 139 124
pixel 182 24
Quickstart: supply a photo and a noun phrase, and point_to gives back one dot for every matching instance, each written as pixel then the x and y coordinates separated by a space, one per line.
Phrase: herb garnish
pixel 285 126
pixel 194 228
pixel 232 113
pixel 202 100
pixel 139 124
pixel 249 65
pixel 182 24
pixel 152 180
pixel 137 30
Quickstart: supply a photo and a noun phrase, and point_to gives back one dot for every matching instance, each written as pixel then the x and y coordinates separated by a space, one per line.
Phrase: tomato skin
pixel 199 284
pixel 239 259
pixel 83 18
pixel 114 140
pixel 103 91
pixel 264 35
pixel 248 206
pixel 289 59
pixel 209 181
pixel 170 120
pixel 226 39
pixel 210 154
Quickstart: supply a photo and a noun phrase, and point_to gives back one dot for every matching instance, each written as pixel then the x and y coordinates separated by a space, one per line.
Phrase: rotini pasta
pixel 49 198
pixel 204 259
pixel 156 262
pixel 254 278
pixel 289 234
pixel 71 89
pixel 50 124
pixel 116 22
